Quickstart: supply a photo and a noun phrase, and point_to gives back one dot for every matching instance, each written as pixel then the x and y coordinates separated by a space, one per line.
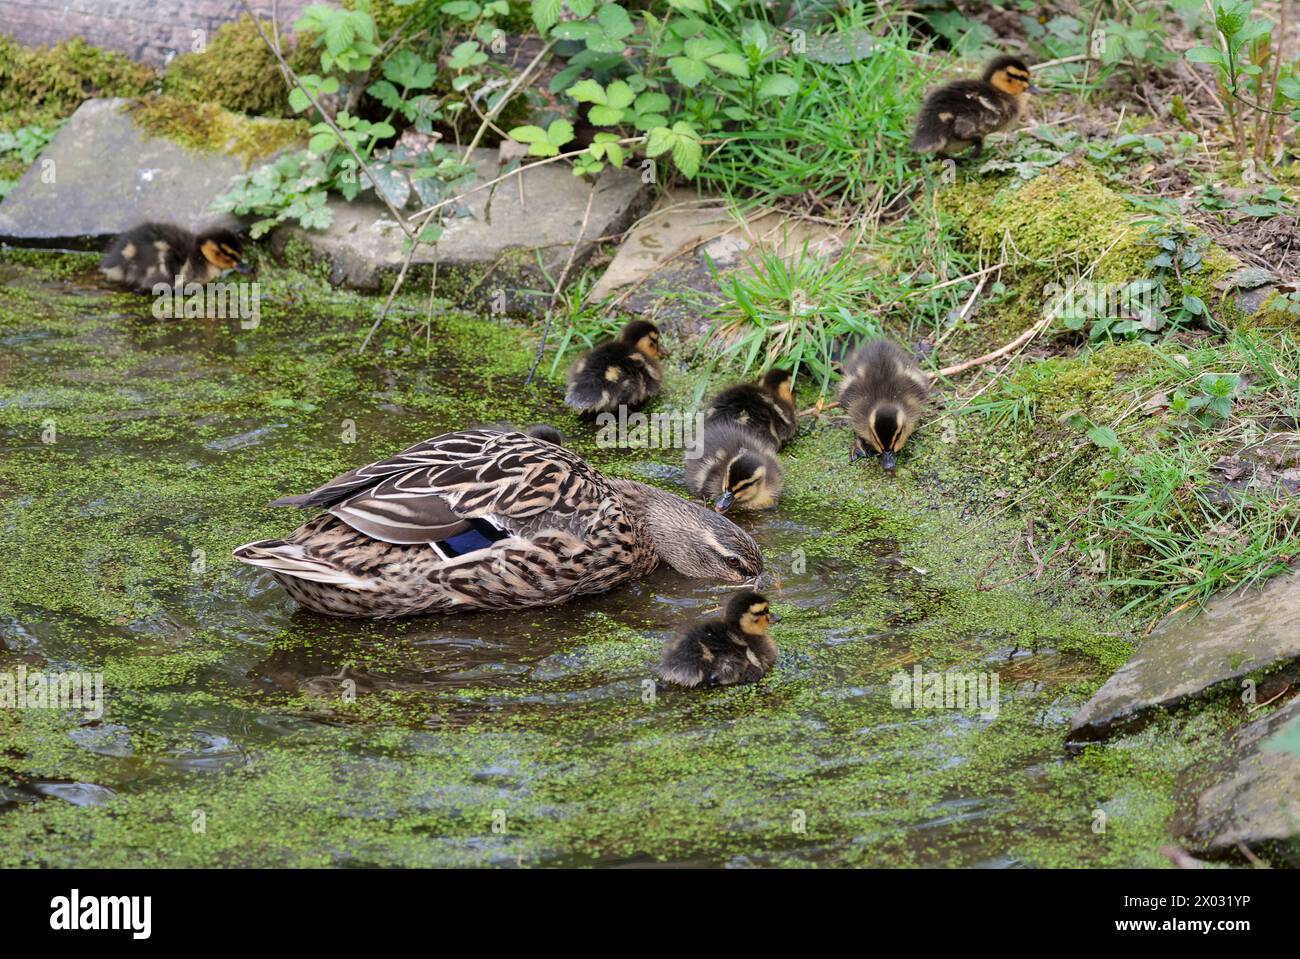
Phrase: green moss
pixel 45 84
pixel 209 128
pixel 239 71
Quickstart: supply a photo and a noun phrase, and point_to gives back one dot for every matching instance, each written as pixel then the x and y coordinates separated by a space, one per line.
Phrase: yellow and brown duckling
pixel 884 392
pixel 546 433
pixel 723 652
pixel 622 372
pixel 765 407
pixel 961 114
pixel 158 253
pixel 735 467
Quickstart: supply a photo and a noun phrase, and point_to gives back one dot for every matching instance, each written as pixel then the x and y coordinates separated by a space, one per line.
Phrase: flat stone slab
pixel 682 241
pixel 1253 796
pixel 539 211
pixel 101 175
pixel 1190 655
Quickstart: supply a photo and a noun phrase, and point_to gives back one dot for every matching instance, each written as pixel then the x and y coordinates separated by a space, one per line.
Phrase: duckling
pixel 726 651
pixel 154 253
pixel 735 466
pixel 962 113
pixel 765 407
pixel 623 372
pixel 883 391
pixel 546 433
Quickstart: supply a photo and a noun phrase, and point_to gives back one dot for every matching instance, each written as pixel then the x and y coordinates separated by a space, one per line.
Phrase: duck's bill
pixel 888 460
pixel 243 268
pixel 725 501
pixel 1036 89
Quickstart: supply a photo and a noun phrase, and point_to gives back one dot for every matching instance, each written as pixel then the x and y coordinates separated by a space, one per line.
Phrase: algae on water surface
pixel 138 453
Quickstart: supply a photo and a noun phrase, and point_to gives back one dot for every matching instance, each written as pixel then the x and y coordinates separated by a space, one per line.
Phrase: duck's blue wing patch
pixel 480 535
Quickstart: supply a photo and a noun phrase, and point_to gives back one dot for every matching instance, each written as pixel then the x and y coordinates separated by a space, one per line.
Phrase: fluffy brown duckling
pixel 723 652
pixel 961 114
pixel 154 253
pixel 766 407
pixel 735 467
pixel 622 372
pixel 884 391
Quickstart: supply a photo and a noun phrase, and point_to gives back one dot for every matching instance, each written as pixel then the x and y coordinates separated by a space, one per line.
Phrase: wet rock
pixel 538 212
pixel 1191 655
pixel 101 175
pixel 1249 800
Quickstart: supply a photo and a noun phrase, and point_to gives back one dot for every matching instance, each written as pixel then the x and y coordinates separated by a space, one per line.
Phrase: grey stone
pixel 1191 655
pixel 150 30
pixel 105 178
pixel 538 212
pixel 1250 799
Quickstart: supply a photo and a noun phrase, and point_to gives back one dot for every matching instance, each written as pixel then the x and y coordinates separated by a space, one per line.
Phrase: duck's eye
pixel 733 562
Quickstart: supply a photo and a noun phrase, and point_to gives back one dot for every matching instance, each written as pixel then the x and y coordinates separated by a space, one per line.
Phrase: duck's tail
pixel 293 559
pixel 587 397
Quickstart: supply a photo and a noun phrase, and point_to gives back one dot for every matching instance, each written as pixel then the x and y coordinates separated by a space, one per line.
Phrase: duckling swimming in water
pixel 723 652
pixel 622 372
pixel 962 113
pixel 884 391
pixel 765 407
pixel 735 467
pixel 154 253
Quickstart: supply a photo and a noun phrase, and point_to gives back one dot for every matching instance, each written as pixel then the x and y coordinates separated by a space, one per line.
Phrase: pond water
pixel 239 730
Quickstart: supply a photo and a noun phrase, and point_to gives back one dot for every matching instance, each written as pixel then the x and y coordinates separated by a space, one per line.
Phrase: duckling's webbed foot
pixel 978 148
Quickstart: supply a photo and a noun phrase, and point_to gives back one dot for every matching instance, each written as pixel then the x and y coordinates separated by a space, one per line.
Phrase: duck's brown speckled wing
pixel 429 491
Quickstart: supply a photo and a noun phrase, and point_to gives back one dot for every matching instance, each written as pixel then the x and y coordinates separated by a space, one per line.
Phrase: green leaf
pixel 587 91
pixel 603 116
pixel 559 132
pixel 777 85
pixel 688 72
pixel 1206 55
pixel 546 13
pixel 619 95
pixel 1105 437
pixel 731 63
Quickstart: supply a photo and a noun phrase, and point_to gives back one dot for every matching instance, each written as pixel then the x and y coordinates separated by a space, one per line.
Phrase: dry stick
pixel 1015 344
pixel 284 67
pixel 510 92
pixel 559 285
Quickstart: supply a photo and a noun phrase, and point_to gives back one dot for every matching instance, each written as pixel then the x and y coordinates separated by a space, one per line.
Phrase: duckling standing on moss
pixel 154 253
pixel 735 467
pixel 962 113
pixel 723 652
pixel 765 407
pixel 623 372
pixel 884 392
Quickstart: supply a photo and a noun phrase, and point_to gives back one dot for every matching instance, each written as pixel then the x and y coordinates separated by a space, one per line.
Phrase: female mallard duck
pixel 766 407
pixel 484 519
pixel 159 253
pixel 884 392
pixel 735 466
pixel 623 372
pixel 725 651
pixel 962 113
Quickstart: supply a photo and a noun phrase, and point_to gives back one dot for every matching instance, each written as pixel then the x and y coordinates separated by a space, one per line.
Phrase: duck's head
pixel 643 336
pixel 224 250
pixel 745 479
pixel 1010 75
pixel 751 613
pixel 779 382
pixel 691 539
pixel 881 430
